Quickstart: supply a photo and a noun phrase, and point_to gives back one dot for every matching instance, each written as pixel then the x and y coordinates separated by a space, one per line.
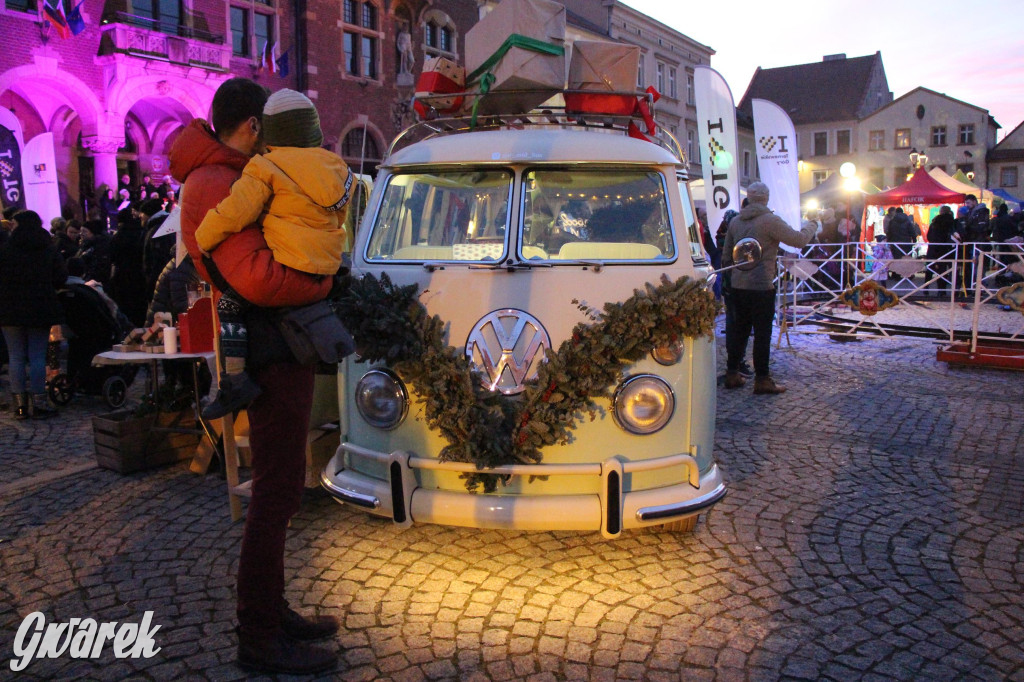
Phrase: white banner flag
pixel 775 142
pixel 39 170
pixel 716 133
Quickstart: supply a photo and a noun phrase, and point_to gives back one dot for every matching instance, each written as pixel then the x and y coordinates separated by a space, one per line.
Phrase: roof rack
pixel 554 116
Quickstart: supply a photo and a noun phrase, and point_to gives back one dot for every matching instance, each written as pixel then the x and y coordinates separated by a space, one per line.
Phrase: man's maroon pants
pixel 279 423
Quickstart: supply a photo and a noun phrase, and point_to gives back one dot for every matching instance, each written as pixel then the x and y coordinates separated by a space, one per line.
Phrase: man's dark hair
pixel 28 218
pixel 234 102
pixel 971 197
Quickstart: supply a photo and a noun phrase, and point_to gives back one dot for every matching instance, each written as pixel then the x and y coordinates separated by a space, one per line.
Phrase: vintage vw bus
pixel 514 233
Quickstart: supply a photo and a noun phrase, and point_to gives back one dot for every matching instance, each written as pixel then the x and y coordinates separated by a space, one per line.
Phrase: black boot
pixel 235 392
pixel 279 653
pixel 306 629
pixel 21 406
pixel 40 408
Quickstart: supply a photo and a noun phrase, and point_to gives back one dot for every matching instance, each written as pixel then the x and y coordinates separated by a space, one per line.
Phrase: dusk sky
pixel 973 52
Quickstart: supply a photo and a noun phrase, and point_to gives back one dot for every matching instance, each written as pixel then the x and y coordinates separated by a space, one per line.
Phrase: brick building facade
pixel 116 95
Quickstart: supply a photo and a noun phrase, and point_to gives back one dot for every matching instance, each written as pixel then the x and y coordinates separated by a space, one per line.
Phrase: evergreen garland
pixel 490 429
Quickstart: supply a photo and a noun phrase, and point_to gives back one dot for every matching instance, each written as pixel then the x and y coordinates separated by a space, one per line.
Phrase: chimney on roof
pixel 834 57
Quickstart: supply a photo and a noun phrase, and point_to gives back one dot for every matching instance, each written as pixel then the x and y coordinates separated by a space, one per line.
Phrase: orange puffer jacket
pixel 207 169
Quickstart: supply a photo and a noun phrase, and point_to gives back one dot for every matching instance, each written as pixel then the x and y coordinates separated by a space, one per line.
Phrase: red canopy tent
pixel 922 188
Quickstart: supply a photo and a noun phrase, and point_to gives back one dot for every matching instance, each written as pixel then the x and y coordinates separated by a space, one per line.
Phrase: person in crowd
pixel 147 188
pixel 124 183
pixel 108 207
pixel 127 277
pixel 1003 229
pixel 726 278
pixel 975 231
pixel 171 295
pixel 74 233
pixel 710 247
pixel 300 193
pixel 7 224
pixel 900 234
pixel 155 250
pixel 94 250
pixel 31 271
pixel 753 290
pixel 271 636
pixel 941 248
pixel 889 215
pixel 124 201
pixel 881 255
pixel 849 235
pixel 66 246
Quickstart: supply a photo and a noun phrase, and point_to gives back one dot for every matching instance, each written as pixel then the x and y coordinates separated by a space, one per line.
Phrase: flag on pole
pixel 282 64
pixel 56 16
pixel 75 21
pixel 719 149
pixel 775 143
pixel 268 59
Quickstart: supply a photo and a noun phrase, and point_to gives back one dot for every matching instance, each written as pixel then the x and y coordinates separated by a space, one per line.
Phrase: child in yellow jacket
pixel 299 193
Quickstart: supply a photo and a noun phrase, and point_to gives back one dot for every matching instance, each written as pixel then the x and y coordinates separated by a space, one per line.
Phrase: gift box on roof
pixel 519 45
pixel 601 67
pixel 440 77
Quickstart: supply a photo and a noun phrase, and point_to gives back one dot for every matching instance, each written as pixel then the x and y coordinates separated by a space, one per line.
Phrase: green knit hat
pixel 290 120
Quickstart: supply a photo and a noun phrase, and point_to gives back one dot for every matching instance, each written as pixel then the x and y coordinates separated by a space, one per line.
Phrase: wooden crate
pixel 125 443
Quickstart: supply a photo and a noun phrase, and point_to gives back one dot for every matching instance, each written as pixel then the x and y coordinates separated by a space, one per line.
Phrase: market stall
pixel 919 194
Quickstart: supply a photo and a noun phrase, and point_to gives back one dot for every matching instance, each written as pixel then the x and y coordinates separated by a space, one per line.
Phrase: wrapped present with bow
pixel 604 71
pixel 439 79
pixel 528 67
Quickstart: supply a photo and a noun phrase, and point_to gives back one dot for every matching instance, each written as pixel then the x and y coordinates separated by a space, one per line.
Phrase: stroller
pixel 92 330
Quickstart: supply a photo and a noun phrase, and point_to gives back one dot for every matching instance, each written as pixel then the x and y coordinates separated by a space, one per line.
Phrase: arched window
pixel 439 35
pixel 361 38
pixel 352 147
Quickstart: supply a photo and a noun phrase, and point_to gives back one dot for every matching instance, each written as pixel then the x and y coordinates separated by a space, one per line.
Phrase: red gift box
pixel 440 77
pixel 595 103
pixel 195 328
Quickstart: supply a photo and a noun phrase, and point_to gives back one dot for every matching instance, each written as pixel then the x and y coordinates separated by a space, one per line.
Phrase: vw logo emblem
pixel 506 346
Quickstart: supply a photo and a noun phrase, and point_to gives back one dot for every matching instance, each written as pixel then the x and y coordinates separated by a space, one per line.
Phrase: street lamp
pixel 918 159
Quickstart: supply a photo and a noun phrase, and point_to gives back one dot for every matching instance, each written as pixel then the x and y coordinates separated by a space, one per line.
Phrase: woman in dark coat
pixel 942 248
pixel 31 271
pixel 128 278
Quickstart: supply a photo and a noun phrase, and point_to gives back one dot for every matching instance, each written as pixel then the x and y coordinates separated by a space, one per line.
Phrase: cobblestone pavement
pixel 874 530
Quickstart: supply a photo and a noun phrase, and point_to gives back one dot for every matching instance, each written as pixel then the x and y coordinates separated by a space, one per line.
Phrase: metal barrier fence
pixel 951 296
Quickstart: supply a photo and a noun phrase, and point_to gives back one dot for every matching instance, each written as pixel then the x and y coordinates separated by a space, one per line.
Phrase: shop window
pixel 876 140
pixel 901 174
pixel 1008 176
pixel 967 168
pixel 843 141
pixel 902 139
pixel 820 144
pixel 966 133
pixel 746 164
pixel 819 176
pixel 439 35
pixel 252 28
pixel 939 136
pixel 361 38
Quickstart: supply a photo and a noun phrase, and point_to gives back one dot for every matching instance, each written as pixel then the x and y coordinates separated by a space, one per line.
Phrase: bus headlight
pixel 643 404
pixel 381 399
pixel 668 355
